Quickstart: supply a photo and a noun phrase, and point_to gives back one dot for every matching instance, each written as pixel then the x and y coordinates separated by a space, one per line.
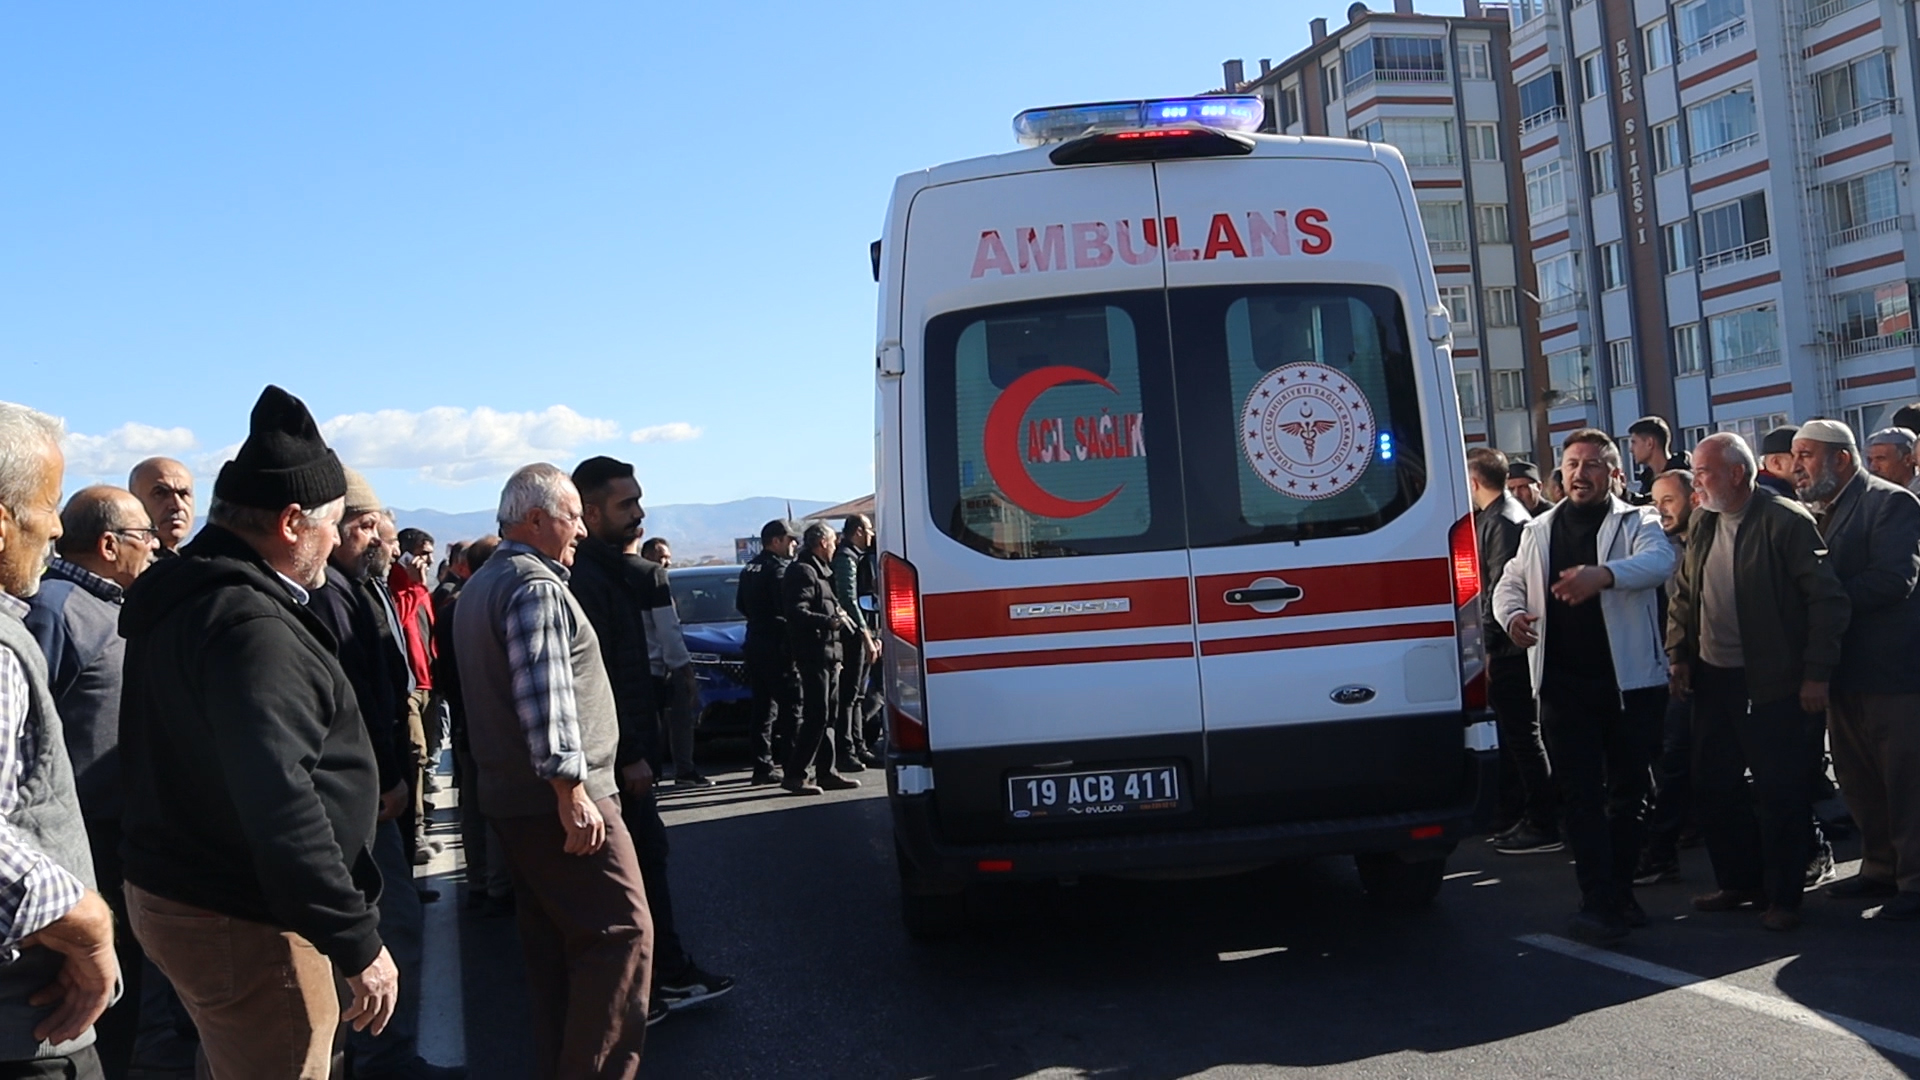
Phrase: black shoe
pixel 417 1069
pixel 1529 840
pixel 1820 867
pixel 836 782
pixel 1602 928
pixel 803 786
pixel 760 779
pixel 1656 867
pixel 1632 913
pixel 1902 908
pixel 691 987
pixel 870 759
pixel 428 896
pixel 848 764
pixel 1860 887
pixel 499 907
pixel 692 780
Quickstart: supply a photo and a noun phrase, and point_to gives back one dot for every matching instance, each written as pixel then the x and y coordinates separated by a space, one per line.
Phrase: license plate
pixel 1147 789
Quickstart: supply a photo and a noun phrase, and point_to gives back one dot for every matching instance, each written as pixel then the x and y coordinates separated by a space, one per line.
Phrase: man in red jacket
pixel 413 606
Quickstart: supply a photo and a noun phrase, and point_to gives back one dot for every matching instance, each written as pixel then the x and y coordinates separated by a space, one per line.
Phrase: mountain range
pixel 695 530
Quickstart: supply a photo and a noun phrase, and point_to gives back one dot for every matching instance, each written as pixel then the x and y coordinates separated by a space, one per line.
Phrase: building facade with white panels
pixel 1721 221
pixel 1436 87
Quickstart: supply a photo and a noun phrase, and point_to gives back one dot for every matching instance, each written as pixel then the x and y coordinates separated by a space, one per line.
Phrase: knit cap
pixel 284 462
pixel 360 496
pixel 1779 440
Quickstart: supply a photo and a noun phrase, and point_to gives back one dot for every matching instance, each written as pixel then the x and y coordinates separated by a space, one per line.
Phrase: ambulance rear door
pixel 1043 506
pixel 1320 492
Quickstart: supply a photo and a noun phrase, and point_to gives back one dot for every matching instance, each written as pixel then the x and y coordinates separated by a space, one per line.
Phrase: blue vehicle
pixel 716 638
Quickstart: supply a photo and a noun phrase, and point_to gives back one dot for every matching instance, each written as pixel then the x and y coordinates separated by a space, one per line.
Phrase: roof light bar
pixel 1039 127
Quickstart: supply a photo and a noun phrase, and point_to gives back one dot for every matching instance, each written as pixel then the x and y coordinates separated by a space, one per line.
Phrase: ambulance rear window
pixel 1050 427
pixel 1299 411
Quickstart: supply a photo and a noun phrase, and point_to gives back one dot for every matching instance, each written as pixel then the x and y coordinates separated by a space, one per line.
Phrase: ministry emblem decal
pixel 1307 431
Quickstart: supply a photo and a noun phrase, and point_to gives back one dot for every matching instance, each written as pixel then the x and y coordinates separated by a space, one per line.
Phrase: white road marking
pixel 443 1023
pixel 1727 993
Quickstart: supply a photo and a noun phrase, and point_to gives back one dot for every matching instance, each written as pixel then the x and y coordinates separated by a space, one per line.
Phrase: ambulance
pixel 1177 561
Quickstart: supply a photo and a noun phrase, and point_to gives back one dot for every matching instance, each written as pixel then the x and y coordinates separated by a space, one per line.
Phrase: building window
pixel 1570 375
pixel 1613 266
pixel 1492 223
pixel 1722 125
pixel 1744 340
pixel 1330 81
pixel 1677 240
pixel 1542 100
pixel 1864 205
pixel 1421 142
pixel 1509 391
pixel 1546 194
pixel 1734 232
pixel 1289 107
pixel 1560 288
pixel 1483 142
pixel 1686 350
pixel 1593 76
pixel 1620 361
pixel 1466 386
pixel 1709 24
pixel 1668 153
pixel 1503 308
pixel 1458 300
pixel 1854 93
pixel 1871 320
pixel 1474 59
pixel 1521 12
pixel 1445 224
pixel 1690 437
pixel 1385 58
pixel 1754 428
pixel 1656 45
pixel 1601 174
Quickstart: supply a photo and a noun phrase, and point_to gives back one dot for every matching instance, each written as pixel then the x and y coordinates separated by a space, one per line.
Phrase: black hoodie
pixel 251 785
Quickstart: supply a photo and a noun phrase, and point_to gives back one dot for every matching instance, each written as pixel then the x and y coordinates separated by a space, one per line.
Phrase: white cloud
pixel 452 445
pixel 115 454
pixel 678 431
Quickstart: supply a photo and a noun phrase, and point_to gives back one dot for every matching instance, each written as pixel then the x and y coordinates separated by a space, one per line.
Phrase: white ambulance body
pixel 1177 557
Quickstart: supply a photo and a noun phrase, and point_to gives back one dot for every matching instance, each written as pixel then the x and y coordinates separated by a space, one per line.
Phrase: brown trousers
pixel 588 944
pixel 1876 756
pixel 266 1002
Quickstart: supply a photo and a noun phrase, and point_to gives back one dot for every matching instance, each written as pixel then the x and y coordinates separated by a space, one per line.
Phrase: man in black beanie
pixel 251 783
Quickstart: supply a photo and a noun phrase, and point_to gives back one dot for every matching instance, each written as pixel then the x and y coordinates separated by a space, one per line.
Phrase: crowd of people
pixel 1678 653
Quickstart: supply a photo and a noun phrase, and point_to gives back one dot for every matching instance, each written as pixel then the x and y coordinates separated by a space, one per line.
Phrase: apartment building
pixel 1438 88
pixel 1720 222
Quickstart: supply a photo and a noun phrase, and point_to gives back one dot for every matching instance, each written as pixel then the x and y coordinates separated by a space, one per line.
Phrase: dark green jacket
pixel 1793 609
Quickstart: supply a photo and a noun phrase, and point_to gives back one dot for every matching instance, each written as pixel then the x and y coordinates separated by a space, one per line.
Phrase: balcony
pixel 1733 365
pixel 1563 303
pixel 1555 115
pixel 1389 75
pixel 1854 118
pixel 1701 157
pixel 1438 246
pixel 1819 13
pixel 1530 14
pixel 1903 223
pixel 1899 339
pixel 1720 38
pixel 1735 255
pixel 1430 161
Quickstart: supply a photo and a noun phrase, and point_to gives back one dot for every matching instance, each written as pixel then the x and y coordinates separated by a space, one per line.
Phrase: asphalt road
pixel 1283 971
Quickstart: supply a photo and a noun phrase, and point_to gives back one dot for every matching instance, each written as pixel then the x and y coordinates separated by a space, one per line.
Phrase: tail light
pixel 905 676
pixel 1463 547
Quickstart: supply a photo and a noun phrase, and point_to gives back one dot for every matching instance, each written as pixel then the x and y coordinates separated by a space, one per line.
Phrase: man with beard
pixel 1754 625
pixel 251 786
pixel 613 588
pixel 1582 596
pixel 1672 496
pixel 165 488
pixel 1872 528
pixel 815 628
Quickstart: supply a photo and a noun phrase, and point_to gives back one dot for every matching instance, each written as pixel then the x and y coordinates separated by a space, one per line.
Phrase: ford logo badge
pixel 1352 695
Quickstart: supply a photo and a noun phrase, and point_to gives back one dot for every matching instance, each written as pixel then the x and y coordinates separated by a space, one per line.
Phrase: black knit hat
pixel 284 462
pixel 1523 470
pixel 1779 440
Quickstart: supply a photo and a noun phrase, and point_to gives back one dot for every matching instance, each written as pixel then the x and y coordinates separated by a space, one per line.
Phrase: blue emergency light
pixel 1386 446
pixel 1039 127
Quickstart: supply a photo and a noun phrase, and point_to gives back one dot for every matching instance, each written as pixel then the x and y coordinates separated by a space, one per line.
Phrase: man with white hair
pixel 1873 539
pixel 56 933
pixel 1890 457
pixel 544 729
pixel 1754 622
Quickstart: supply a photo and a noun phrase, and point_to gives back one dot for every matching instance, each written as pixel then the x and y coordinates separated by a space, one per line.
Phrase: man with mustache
pixel 165 488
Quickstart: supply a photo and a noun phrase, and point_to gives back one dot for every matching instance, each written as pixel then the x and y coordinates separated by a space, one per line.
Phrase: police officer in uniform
pixel 776 687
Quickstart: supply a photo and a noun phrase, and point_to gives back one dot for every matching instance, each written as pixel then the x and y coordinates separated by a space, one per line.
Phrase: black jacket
pixel 1498 528
pixel 761 602
pixel 251 784
pixel 1644 478
pixel 814 618
pixel 612 591
pixel 1873 540
pixel 364 647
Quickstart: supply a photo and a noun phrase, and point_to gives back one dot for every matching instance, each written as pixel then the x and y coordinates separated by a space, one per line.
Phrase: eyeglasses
pixel 142 533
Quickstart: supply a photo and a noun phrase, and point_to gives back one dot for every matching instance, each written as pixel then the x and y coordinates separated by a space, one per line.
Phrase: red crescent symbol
pixel 1002 437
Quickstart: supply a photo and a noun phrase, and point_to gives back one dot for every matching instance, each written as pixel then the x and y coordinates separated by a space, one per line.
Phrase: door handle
pixel 1270 594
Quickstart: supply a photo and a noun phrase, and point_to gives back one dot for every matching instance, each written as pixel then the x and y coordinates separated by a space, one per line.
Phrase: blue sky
pixel 474 235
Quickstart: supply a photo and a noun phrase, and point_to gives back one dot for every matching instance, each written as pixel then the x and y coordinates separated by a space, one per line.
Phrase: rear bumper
pixel 933 864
